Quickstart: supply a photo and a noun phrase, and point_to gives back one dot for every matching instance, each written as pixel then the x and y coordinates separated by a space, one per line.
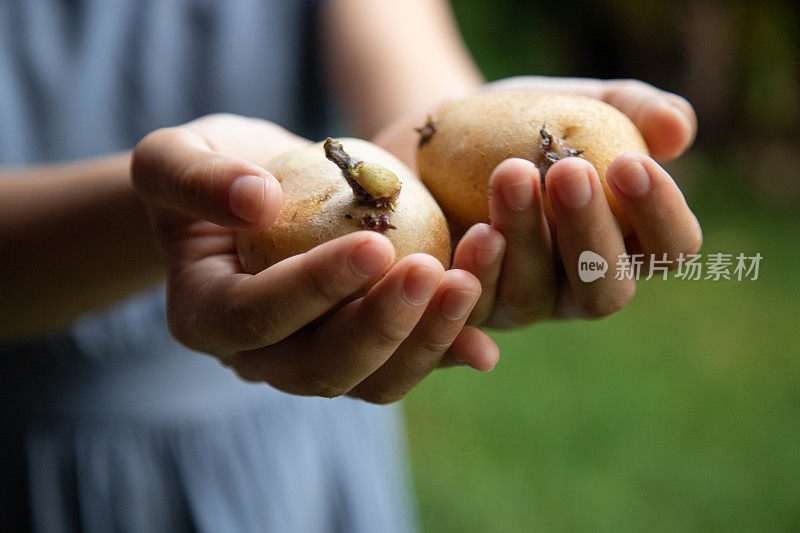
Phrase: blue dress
pixel 111 425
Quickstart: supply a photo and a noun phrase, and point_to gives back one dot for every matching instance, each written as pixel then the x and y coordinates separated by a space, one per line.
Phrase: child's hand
pixel 525 276
pixel 377 347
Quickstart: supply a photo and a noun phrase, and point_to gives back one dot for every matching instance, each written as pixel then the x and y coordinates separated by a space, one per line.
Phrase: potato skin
pixel 472 136
pixel 316 200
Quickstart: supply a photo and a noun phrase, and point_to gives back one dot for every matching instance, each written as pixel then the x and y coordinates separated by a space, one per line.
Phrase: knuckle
pixel 153 169
pixel 425 358
pixel 430 346
pixel 322 286
pixel 389 334
pixel 145 160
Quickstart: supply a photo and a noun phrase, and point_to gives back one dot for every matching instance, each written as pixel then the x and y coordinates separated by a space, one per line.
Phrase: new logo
pixel 591 266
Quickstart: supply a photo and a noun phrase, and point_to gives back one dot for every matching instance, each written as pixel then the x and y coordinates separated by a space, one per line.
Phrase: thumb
pixel 178 170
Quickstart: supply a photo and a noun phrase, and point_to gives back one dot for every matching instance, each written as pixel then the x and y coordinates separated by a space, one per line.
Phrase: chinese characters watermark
pixel 714 266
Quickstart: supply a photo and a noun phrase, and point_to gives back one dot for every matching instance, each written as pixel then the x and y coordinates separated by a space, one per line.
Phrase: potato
pixel 320 204
pixel 462 143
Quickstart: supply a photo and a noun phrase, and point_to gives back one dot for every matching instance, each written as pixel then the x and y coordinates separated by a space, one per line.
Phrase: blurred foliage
pixel 678 414
pixel 771 68
pixel 737 61
pixel 681 412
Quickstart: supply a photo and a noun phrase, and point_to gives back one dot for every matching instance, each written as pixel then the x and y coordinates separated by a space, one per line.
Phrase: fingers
pixel 228 313
pixel 356 341
pixel 527 284
pixel 480 252
pixel 585 223
pixel 176 169
pixel 422 351
pixel 667 121
pixel 655 206
pixel 473 348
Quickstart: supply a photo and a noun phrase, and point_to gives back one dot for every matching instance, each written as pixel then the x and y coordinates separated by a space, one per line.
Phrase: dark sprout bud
pixel 371 182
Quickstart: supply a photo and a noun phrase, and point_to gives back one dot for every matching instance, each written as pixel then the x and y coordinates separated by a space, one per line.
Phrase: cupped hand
pixel 289 325
pixel 529 272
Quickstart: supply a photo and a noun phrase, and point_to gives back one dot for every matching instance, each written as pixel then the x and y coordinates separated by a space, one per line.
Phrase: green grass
pixel 681 413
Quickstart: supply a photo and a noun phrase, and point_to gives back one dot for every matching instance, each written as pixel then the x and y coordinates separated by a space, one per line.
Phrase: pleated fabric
pixel 85 77
pixel 303 465
pixel 111 425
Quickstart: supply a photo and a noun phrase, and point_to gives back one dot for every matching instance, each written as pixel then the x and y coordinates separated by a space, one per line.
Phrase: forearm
pixel 75 237
pixel 389 59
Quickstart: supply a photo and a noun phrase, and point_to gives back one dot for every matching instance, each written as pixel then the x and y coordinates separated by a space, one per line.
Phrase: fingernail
pixel 246 197
pixel 518 195
pixel 574 189
pixel 418 285
pixel 634 180
pixel 456 304
pixel 368 259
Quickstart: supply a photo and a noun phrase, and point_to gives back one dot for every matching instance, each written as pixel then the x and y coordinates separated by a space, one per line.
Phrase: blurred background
pixel 681 413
